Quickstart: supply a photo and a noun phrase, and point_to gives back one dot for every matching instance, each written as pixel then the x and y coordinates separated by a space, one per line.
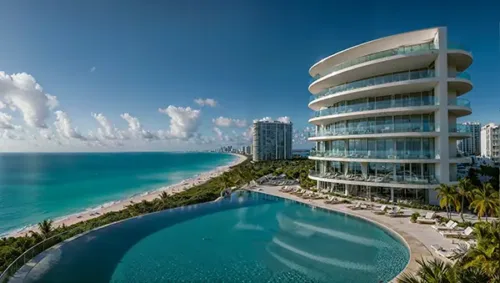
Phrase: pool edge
pixel 410 265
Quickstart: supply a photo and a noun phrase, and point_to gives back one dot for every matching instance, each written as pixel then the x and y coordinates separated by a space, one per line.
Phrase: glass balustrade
pixel 459 102
pixel 376 154
pixel 377 129
pixel 404 50
pixel 461 75
pixel 377 105
pixel 400 177
pixel 390 78
pixel 459 129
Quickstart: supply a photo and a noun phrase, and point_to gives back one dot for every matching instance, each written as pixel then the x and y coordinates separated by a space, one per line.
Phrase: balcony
pixel 462 102
pixel 404 50
pixel 377 105
pixel 462 75
pixel 374 154
pixel 390 78
pixel 398 178
pixel 459 129
pixel 377 129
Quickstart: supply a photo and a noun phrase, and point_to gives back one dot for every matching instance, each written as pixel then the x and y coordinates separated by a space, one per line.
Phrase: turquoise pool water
pixel 248 238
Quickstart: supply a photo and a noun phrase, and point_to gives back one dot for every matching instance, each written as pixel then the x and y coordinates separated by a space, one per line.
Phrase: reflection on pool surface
pixel 248 238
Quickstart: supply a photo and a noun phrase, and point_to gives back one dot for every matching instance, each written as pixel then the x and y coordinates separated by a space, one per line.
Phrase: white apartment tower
pixel 272 140
pixel 490 142
pixel 386 116
pixel 470 145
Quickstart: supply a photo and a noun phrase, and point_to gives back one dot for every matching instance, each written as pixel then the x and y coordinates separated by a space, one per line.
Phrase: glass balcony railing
pixel 375 154
pixel 400 177
pixel 378 105
pixel 377 129
pixel 462 75
pixel 459 129
pixel 390 78
pixel 404 50
pixel 459 102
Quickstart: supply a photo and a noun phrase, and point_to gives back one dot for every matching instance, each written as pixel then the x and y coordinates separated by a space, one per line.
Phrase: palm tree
pixel 45 227
pixel 485 255
pixel 484 201
pixel 161 202
pixel 465 188
pixel 164 196
pixel 224 181
pixel 447 196
pixel 435 271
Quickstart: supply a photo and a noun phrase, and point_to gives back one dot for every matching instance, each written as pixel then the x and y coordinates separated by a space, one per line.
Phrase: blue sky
pixel 251 57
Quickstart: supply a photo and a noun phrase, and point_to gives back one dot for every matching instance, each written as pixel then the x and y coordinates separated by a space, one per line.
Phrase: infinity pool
pixel 250 237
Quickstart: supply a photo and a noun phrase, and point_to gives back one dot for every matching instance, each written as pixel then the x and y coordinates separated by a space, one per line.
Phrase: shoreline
pixel 118 205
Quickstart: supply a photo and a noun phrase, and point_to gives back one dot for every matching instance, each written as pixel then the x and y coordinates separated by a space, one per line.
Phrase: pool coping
pixel 415 247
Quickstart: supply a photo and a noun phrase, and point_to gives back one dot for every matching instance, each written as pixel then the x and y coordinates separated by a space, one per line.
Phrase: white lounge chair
pixel 332 200
pixel 428 219
pixel 396 211
pixel 449 226
pixel 443 252
pixel 380 210
pixel 357 206
pixel 299 192
pixel 307 195
pixel 465 234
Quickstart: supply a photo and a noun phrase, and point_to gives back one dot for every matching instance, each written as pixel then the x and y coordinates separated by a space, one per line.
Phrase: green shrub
pixel 414 217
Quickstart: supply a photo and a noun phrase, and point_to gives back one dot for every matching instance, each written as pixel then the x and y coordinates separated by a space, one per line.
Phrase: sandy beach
pixel 148 196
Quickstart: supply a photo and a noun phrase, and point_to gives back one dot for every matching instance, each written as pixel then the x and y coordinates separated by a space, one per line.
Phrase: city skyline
pixel 194 75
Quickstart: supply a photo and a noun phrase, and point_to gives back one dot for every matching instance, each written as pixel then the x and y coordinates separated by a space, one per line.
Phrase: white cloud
pixel 284 119
pixel 228 122
pixel 265 119
pixel 22 92
pixel 106 130
pixel 64 128
pixel 2 105
pixel 135 128
pixel 248 134
pixel 92 69
pixel 184 122
pixel 206 102
pixel 218 132
pixel 5 121
pixel 9 135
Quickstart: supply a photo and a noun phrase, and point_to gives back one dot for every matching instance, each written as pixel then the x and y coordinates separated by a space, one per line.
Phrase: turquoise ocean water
pixel 37 186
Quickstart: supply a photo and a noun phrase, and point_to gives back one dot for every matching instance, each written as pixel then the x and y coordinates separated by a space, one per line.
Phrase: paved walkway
pixel 419 237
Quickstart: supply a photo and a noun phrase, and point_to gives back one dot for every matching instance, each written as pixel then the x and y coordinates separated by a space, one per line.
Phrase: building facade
pixel 490 142
pixel 470 145
pixel 386 116
pixel 272 140
pixel 248 150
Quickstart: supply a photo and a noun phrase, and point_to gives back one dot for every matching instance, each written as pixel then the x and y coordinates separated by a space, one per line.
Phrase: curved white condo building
pixel 385 114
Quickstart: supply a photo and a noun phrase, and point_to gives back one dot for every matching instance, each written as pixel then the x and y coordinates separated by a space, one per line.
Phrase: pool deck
pixel 419 237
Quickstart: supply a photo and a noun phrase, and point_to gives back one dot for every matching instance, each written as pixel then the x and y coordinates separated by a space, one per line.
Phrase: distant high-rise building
pixel 470 145
pixel 248 150
pixel 272 140
pixel 490 141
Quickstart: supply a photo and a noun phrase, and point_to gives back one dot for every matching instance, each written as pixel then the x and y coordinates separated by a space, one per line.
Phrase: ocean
pixel 38 186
